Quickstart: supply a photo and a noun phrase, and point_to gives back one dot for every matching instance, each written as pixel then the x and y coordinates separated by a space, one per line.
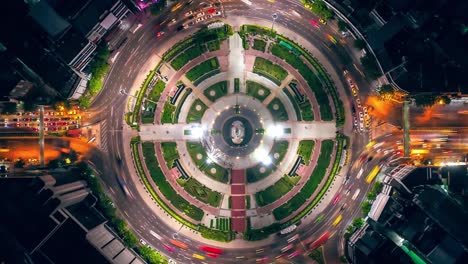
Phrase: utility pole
pixel 406 128
pixel 41 135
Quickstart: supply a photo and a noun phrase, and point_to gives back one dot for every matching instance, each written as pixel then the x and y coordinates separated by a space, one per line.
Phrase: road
pixel 109 108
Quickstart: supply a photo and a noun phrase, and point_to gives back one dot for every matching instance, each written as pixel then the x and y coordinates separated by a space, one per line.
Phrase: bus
pixel 337 220
pixel 320 241
pixel 211 249
pixel 178 244
pixel 373 173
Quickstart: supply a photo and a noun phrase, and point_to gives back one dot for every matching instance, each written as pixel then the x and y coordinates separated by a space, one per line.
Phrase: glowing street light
pixel 197 131
pixel 275 131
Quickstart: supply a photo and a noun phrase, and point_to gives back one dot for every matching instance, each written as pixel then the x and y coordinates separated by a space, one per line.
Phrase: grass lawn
pixel 182 99
pixel 202 68
pixel 202 193
pixel 236 85
pixel 270 70
pixel 277 110
pixel 213 45
pixel 278 151
pixel 312 183
pixel 199 157
pixel 306 147
pixel 216 91
pixel 196 111
pixel 274 192
pixel 294 102
pixel 259 45
pixel 189 54
pixel 306 110
pixel 147 117
pixel 154 95
pixel 257 90
pixel 165 187
pixel 310 77
pixel 170 153
pixel 168 111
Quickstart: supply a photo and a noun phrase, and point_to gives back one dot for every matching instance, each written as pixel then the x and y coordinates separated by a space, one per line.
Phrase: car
pixel 217 13
pixel 191 23
pixel 200 19
pixel 172 22
pixel 336 199
pixel 361 116
pixel 361 127
pixel 354 91
pixel 358 101
pixel 314 23
pixel 189 13
pixel 321 20
pixel 365 110
pixel 159 34
pixel 353 109
pixel 180 28
pixel 211 10
pixel 355 122
pixel 200 14
pixel 191 17
pixel 368 122
pixel 143 242
pixel 208 17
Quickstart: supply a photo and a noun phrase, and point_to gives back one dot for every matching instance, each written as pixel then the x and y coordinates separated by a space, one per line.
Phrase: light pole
pixel 274 16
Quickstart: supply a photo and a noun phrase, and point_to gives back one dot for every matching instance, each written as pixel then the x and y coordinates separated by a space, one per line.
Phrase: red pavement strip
pixel 238 202
pixel 238 176
pixel 238 189
pixel 238 224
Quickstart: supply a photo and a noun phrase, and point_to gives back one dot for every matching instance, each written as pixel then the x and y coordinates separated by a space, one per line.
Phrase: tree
pixel 342 26
pixel 359 44
pixel 151 256
pixel 320 8
pixel 20 163
pixel 366 207
pixel 157 7
pixel 371 196
pixel 386 92
pixel 424 100
pixel 370 66
pixel 358 222
pixel 9 108
pixel 377 187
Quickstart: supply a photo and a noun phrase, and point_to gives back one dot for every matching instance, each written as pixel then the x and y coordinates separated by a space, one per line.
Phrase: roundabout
pixel 246 140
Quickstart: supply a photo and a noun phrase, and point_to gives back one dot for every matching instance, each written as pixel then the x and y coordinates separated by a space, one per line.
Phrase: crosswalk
pixel 103 135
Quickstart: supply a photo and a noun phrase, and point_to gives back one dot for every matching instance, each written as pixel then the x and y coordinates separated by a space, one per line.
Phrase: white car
pixel 200 19
pixel 217 13
pixel 143 242
pixel 358 101
pixel 188 13
pixel 200 14
pixel 361 116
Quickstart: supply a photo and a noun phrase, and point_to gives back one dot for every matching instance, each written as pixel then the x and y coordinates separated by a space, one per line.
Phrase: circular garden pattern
pixel 243 140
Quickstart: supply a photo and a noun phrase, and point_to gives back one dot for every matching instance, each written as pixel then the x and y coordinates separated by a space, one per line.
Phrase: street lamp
pixel 274 16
